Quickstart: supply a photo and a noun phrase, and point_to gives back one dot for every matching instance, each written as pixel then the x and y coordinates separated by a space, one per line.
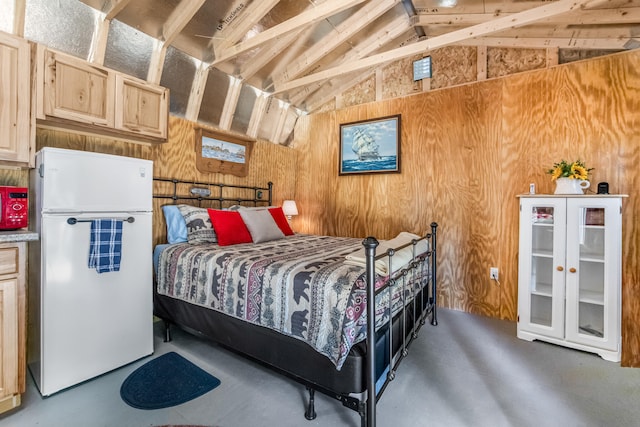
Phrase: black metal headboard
pixel 211 193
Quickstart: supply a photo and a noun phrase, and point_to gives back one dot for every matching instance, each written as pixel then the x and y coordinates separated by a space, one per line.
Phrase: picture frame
pixel 218 152
pixel 370 146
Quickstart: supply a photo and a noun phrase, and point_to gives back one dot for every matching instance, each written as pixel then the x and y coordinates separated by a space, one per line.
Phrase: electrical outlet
pixel 493 273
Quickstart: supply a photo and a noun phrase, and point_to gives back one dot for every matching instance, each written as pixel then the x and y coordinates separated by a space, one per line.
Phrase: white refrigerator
pixel 83 323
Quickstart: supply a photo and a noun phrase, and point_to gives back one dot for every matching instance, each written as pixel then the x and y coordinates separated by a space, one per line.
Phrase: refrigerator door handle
pixel 73 220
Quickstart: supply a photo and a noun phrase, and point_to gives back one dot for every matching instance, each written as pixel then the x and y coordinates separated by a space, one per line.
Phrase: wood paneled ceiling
pixel 304 52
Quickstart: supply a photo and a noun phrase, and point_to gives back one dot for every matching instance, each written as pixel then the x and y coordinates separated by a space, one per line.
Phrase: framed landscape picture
pixel 219 152
pixel 370 146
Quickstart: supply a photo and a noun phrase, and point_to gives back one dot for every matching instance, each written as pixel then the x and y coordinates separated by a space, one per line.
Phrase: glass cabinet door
pixel 541 301
pixel 591 278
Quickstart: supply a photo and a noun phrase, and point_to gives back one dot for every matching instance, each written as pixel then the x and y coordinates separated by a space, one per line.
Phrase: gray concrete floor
pixel 467 371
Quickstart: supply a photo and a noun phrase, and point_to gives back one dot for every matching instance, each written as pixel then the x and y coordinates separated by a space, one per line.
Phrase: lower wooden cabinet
pixel 12 324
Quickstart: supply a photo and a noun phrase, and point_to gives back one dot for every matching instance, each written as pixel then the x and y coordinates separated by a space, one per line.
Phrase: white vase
pixel 571 186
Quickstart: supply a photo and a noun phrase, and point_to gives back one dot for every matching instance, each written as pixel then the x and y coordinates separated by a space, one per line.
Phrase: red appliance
pixel 14 207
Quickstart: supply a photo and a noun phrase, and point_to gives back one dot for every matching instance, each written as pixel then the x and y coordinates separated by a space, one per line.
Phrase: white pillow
pixel 261 225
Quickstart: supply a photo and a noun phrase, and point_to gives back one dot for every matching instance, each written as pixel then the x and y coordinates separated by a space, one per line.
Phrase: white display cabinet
pixel 569 271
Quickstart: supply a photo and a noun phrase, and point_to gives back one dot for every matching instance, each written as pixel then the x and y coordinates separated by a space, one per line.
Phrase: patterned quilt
pixel 299 286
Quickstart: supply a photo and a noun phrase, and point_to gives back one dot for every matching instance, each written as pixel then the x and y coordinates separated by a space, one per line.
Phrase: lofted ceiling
pixel 254 66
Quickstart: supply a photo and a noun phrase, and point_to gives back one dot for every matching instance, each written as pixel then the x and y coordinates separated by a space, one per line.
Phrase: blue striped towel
pixel 105 248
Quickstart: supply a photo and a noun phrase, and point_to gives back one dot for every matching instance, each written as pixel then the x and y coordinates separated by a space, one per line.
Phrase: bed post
pixel 370 244
pixel 310 413
pixel 167 330
pixel 434 317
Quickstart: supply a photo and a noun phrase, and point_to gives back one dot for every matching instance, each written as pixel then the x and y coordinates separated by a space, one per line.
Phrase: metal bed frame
pixel 365 404
pixel 202 191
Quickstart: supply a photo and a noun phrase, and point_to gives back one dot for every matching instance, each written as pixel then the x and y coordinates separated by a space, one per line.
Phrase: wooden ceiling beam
pixel 242 24
pixel 282 118
pixel 230 103
pixel 373 42
pixel 259 108
pixel 544 43
pixel 98 47
pixel 306 18
pixel 197 92
pixel 19 11
pixel 156 62
pixel 537 32
pixel 289 55
pixel 335 88
pixel 493 26
pixel 321 92
pixel 179 18
pixel 266 55
pixel 347 29
pixel 456 19
pixel 629 15
pixel 116 7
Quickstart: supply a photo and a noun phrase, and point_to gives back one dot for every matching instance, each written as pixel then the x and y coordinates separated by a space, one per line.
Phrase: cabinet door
pixel 593 271
pixel 15 98
pixel 141 107
pixel 8 337
pixel 541 264
pixel 75 90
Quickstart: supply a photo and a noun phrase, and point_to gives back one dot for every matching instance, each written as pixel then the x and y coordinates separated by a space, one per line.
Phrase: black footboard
pixel 376 386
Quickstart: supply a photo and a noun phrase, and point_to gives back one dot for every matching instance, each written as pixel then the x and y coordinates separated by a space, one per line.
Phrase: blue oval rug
pixel 167 380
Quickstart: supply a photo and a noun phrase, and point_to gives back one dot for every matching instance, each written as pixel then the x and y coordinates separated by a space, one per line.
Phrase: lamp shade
pixel 289 208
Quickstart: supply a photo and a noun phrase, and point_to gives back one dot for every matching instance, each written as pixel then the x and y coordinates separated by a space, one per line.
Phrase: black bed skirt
pixel 285 354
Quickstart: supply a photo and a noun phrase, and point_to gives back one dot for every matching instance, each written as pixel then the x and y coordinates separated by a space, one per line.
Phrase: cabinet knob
pixel 559 268
pixel 573 270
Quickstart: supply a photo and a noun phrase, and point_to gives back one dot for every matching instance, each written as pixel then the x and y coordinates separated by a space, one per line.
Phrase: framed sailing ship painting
pixel 370 146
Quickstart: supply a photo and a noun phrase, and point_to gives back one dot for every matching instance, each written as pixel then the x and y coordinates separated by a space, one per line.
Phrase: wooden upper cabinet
pixel 79 96
pixel 76 90
pixel 141 107
pixel 12 324
pixel 16 142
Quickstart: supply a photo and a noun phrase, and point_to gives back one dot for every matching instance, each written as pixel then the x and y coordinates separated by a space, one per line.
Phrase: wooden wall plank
pixel 467 152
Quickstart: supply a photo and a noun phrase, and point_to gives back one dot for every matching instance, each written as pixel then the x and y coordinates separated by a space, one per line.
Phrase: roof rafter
pixel 239 27
pixel 98 46
pixel 543 43
pixel 179 18
pixel 267 53
pixel 374 41
pixel 629 15
pixel 197 92
pixel 309 17
pixel 290 54
pixel 116 7
pixel 363 17
pixel 493 26
pixel 539 32
pixel 19 11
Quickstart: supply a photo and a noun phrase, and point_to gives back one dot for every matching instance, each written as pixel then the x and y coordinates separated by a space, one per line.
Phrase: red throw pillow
pixel 281 221
pixel 229 227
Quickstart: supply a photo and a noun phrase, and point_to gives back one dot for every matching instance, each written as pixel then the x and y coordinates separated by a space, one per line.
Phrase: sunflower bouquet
pixel 574 170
